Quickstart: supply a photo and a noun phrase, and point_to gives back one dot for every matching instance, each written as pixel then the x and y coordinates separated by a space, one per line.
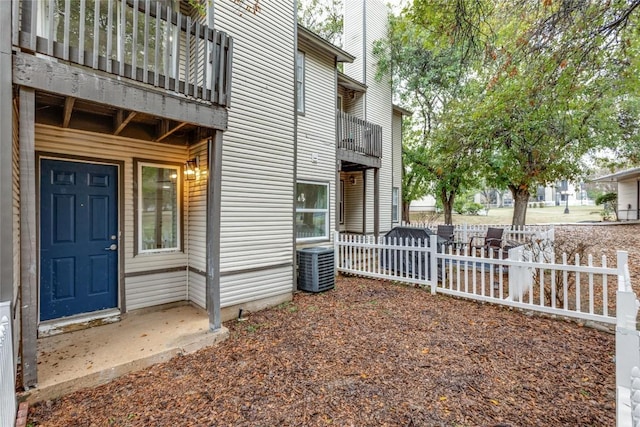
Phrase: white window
pixel 158 221
pixel 395 204
pixel 300 82
pixel 312 211
pixel 342 201
pixel 340 103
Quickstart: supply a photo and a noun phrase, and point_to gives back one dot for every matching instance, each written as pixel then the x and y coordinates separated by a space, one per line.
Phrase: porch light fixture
pixel 192 169
pixel 352 180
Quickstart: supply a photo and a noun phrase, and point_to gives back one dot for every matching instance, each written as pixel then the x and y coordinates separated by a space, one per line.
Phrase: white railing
pixel 512 233
pixel 7 368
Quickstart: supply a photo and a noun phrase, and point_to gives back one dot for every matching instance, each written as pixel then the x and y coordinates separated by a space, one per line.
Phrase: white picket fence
pixel 627 355
pixel 517 278
pixel 525 277
pixel 7 372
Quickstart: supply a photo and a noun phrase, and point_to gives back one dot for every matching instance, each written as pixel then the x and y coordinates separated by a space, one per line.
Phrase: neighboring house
pixel 138 178
pixel 628 182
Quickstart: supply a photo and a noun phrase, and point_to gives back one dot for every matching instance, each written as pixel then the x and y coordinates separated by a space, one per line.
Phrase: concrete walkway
pixel 89 357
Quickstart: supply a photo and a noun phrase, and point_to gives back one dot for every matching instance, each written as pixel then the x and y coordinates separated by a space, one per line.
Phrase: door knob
pixel 113 247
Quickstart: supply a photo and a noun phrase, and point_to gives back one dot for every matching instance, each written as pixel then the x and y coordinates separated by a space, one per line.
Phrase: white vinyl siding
pixel 256 245
pixel 377 100
pixel 316 160
pixel 142 290
pixel 628 195
pixel 353 201
pixel 196 227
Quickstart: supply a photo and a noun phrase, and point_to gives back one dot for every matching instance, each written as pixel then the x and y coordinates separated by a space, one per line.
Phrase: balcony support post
pixel 376 202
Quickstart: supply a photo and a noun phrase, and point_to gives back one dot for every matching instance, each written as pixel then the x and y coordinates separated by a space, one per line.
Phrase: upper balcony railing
pixel 142 40
pixel 357 135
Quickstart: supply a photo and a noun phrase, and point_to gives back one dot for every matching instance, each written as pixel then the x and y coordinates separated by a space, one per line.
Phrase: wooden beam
pixel 122 123
pixel 168 131
pixel 68 109
pixel 68 80
pixel 214 200
pixel 28 248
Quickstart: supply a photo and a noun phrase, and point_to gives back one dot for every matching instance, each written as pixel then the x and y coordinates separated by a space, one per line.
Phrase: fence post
pixel 433 262
pixel 519 277
pixel 7 367
pixel 627 340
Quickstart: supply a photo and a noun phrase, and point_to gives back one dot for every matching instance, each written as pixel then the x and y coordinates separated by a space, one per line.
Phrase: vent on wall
pixel 316 269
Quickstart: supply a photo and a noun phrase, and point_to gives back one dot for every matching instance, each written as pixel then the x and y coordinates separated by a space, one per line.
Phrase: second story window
pixel 300 82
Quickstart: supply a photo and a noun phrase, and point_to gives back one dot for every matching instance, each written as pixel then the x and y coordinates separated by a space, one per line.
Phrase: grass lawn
pixel 547 215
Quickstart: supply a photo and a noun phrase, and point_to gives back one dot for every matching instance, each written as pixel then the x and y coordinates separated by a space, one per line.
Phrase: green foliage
pixel 473 208
pixel 606 198
pixel 609 202
pixel 323 17
pixel 517 93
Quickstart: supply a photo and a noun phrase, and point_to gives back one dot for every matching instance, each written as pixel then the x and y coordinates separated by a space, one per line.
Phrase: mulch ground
pixel 373 353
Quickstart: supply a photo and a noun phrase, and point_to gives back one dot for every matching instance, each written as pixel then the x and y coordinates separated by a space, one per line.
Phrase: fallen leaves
pixel 406 358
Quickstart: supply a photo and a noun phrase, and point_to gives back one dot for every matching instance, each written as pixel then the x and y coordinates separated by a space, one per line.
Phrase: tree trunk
pixel 405 212
pixel 520 202
pixel 447 204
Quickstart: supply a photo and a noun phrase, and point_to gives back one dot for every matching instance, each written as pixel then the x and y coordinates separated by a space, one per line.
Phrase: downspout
pixel 364 56
pixel 295 144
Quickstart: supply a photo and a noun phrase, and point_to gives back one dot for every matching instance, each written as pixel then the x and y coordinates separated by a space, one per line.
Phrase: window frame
pixel 300 82
pixel 138 205
pixel 326 211
pixel 341 211
pixel 395 204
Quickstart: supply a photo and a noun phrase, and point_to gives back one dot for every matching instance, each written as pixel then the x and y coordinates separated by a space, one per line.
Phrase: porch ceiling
pixel 354 167
pixel 68 112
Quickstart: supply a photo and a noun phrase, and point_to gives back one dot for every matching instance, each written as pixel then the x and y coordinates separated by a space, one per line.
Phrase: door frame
pixel 119 164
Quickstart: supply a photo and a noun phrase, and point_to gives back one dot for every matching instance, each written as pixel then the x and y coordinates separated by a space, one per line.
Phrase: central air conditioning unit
pixel 316 269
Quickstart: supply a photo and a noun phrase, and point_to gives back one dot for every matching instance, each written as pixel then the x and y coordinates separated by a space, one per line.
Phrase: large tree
pixel 546 82
pixel 428 81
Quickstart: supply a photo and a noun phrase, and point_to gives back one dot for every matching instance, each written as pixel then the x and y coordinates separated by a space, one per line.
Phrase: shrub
pixel 473 208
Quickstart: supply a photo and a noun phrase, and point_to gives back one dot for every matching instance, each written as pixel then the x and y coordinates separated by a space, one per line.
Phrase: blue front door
pixel 78 238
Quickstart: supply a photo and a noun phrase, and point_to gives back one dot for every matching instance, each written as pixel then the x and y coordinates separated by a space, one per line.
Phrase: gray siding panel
pixel 258 176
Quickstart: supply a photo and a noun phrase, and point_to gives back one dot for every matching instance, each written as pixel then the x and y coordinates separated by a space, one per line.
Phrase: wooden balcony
pixel 359 142
pixel 142 40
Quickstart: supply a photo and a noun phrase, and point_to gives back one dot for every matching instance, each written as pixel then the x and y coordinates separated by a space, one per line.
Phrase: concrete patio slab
pixel 89 357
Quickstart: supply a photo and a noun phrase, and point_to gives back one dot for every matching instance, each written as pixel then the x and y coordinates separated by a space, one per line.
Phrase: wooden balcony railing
pixel 142 40
pixel 357 135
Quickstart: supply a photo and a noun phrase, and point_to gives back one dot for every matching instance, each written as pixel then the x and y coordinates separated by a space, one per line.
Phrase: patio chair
pixel 492 241
pixel 446 232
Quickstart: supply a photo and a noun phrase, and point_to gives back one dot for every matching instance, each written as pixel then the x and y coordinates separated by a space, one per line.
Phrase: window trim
pixel 395 194
pixel 326 211
pixel 138 163
pixel 300 89
pixel 341 201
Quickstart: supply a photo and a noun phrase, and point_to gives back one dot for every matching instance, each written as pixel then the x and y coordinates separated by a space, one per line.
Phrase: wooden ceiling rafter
pixel 69 102
pixel 121 122
pixel 166 129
